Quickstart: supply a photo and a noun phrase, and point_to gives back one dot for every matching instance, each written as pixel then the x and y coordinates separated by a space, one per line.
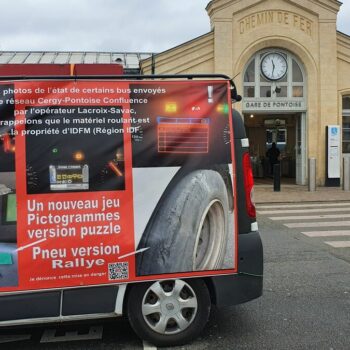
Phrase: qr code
pixel 118 271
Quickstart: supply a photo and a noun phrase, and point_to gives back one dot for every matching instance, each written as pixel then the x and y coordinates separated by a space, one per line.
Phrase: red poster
pixel 111 181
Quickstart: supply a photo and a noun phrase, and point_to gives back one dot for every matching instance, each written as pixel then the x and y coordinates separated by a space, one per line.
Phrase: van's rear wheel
pixel 169 313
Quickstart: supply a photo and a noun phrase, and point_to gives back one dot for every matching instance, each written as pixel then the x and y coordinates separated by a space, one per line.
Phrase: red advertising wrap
pixel 105 182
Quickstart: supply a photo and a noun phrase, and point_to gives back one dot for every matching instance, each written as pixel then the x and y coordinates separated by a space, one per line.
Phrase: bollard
pixel 277 177
pixel 312 174
pixel 346 174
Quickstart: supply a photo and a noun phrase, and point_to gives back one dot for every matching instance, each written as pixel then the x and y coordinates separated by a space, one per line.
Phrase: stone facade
pixel 306 28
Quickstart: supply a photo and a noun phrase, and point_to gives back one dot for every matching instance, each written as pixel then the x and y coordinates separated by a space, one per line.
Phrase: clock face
pixel 274 66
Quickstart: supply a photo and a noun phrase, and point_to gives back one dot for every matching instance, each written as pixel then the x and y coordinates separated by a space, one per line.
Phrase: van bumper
pixel 247 284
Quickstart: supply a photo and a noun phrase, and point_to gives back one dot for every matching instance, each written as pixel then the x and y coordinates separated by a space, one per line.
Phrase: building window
pixel 249 91
pixel 249 76
pixel 291 85
pixel 297 73
pixel 249 80
pixel 346 124
pixel 298 91
pixel 346 103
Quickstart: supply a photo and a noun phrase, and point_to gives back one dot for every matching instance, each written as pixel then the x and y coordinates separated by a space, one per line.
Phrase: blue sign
pixel 334 131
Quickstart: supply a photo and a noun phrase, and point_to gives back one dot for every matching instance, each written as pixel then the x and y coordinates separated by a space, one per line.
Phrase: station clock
pixel 274 66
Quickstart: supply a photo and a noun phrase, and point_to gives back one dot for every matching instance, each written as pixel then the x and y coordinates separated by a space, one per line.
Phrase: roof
pixel 130 60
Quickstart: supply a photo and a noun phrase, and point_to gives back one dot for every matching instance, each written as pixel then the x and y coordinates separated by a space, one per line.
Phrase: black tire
pixel 141 297
pixel 189 231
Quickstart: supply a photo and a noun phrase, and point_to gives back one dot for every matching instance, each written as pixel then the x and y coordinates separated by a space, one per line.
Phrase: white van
pixel 125 195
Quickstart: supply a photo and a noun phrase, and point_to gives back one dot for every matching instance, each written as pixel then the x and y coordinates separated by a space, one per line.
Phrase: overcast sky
pixel 108 25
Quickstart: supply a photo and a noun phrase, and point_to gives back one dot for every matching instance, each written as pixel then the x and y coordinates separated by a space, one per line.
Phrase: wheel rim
pixel 169 307
pixel 211 238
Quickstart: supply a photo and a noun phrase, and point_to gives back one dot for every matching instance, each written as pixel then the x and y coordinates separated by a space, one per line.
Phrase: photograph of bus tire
pixel 189 232
pixel 169 313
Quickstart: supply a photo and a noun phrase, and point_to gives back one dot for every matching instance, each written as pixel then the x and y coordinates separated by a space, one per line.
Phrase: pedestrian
pixel 273 154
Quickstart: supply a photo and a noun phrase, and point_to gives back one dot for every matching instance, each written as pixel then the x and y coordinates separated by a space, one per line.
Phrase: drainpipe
pixel 153 64
pixel 346 173
pixel 312 174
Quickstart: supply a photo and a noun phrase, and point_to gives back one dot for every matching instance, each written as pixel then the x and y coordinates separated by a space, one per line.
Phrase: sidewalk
pixel 294 193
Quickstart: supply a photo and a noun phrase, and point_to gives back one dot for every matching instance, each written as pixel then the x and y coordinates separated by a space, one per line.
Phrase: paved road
pixel 306 301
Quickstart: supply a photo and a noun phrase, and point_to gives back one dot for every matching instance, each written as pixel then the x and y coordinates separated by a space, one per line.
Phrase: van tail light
pixel 248 185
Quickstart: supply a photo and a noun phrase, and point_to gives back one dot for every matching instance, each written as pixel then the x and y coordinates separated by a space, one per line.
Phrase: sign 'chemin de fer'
pixel 261 18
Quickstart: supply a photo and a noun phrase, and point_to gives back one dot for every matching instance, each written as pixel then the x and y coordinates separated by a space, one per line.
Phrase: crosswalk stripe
pixel 300 211
pixel 339 244
pixel 318 224
pixel 319 216
pixel 326 233
pixel 309 217
pixel 14 337
pixel 275 206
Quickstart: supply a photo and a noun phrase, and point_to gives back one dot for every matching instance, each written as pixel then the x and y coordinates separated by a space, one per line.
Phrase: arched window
pixel 346 123
pixel 289 85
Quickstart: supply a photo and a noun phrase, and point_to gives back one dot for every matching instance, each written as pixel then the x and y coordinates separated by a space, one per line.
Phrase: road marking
pixel 318 224
pixel 326 233
pixel 309 217
pixel 301 211
pixel 49 336
pixel 342 204
pixel 148 346
pixel 317 212
pixel 339 244
pixel 14 337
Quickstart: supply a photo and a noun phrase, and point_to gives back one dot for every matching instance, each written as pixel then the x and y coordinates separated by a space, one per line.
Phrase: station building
pixel 291 104
pixel 289 63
